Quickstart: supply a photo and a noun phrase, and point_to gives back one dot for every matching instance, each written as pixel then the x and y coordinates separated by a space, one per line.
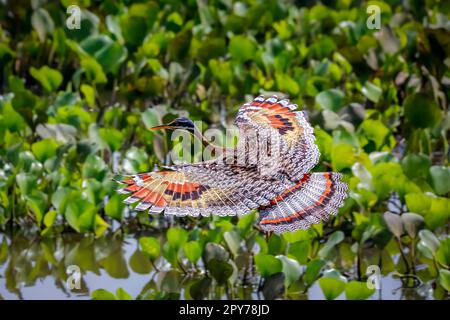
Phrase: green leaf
pixel 274 286
pixel 88 26
pixel 276 244
pixel 334 239
pixel 81 215
pixel 214 251
pixel 241 48
pixel 371 91
pixel 89 94
pixel 94 191
pixel 102 294
pixel 444 279
pixel 201 288
pixel 151 246
pixel 267 265
pixel 233 241
pixel 26 182
pixel 291 269
pixel 356 290
pixel 100 225
pixel 94 71
pixel 122 295
pixel 440 179
pixel 139 262
pixel 14 122
pixel 300 250
pixel 443 253
pixel 331 287
pixel 342 156
pixel 313 270
pixel 439 212
pixel 220 270
pixel 49 78
pixel 112 137
pixel 114 207
pixel 6 52
pixel 94 167
pixel 428 244
pixel 42 23
pixel 62 196
pixel 245 224
pixel 422 111
pixel 375 130
pixel 171 282
pixel 332 99
pixel 416 165
pixel 418 202
pixel 4 252
pixel 192 251
pixel 177 237
pixel 49 218
pixel 412 222
pixel 138 21
pixel 170 254
pixel 394 223
pixel 44 149
pixel 108 53
pixel 151 118
pixel 286 84
pixel 37 203
pixel 136 160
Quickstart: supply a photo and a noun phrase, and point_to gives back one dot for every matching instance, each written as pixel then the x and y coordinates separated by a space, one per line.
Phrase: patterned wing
pixel 200 189
pixel 313 198
pixel 277 120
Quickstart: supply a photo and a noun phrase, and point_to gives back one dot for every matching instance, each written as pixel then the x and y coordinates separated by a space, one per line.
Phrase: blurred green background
pixel 75 106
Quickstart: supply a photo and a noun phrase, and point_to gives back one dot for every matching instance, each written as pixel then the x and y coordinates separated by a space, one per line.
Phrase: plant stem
pixel 403 255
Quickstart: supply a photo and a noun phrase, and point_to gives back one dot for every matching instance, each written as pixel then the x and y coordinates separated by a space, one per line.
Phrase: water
pixel 32 268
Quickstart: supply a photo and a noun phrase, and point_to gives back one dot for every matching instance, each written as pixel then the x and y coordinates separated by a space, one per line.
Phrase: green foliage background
pixel 76 105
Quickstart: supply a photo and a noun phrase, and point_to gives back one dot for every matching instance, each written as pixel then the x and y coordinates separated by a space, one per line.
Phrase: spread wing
pixel 201 189
pixel 276 120
pixel 313 198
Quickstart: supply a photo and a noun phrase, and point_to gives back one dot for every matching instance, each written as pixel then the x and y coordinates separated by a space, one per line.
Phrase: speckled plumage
pixel 278 182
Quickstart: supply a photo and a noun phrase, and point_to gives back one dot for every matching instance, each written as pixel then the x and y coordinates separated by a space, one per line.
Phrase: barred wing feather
pixel 276 120
pixel 201 189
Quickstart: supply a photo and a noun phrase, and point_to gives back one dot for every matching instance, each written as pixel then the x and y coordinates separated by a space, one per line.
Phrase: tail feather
pixel 312 199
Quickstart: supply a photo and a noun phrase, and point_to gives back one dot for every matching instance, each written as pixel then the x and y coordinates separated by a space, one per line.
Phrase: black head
pixel 179 123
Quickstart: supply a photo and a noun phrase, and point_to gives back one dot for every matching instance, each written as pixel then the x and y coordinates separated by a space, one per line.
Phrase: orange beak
pixel 164 126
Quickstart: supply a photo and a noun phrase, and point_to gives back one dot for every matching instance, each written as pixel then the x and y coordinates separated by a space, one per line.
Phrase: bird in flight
pixel 269 170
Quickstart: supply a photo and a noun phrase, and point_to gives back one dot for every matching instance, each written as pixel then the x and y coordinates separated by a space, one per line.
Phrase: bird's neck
pixel 199 135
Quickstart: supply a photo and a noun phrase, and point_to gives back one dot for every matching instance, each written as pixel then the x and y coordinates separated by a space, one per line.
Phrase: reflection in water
pixel 35 268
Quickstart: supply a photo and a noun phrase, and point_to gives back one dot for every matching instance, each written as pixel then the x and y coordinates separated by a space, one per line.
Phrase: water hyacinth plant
pixel 76 106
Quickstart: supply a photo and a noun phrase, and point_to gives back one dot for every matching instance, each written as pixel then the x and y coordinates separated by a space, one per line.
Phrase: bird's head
pixel 179 123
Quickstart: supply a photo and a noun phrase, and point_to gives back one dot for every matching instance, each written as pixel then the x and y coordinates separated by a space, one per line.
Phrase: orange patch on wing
pixel 304 179
pixel 132 188
pixel 189 187
pixel 142 193
pixel 156 199
pixel 318 203
pixel 185 187
pixel 279 108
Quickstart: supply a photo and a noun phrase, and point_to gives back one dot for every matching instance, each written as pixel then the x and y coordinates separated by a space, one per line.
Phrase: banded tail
pixel 313 198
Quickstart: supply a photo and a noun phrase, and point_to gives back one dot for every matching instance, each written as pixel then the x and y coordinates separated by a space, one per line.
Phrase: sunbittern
pixel 287 194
